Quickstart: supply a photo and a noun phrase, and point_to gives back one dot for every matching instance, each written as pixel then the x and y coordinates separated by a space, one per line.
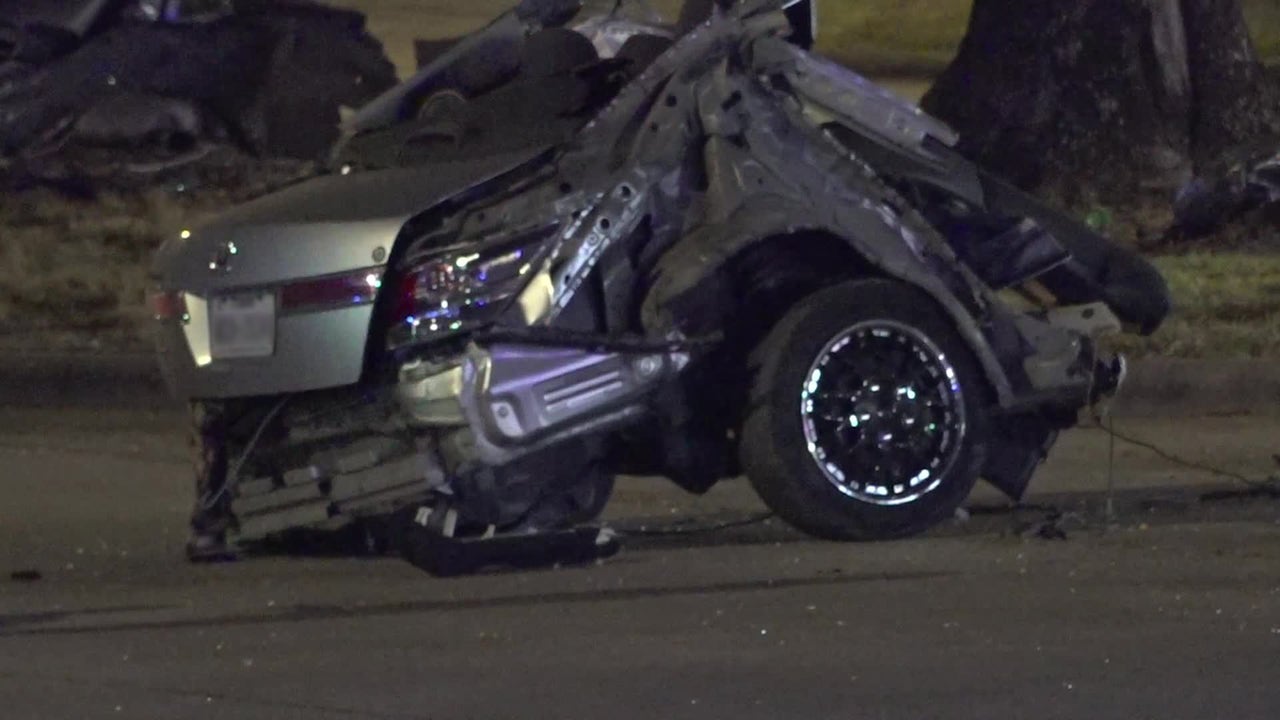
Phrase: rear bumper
pixel 313 351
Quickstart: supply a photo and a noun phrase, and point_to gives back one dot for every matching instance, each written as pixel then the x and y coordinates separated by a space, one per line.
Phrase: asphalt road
pixel 1173 612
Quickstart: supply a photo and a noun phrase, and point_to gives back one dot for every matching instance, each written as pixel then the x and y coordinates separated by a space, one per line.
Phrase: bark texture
pixel 1103 95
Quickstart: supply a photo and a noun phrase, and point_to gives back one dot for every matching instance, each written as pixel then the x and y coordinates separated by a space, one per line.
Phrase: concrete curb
pixel 129 380
pixel 1176 386
pixel 1156 386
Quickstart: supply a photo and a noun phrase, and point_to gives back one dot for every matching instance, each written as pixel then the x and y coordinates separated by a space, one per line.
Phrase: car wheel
pixel 867 415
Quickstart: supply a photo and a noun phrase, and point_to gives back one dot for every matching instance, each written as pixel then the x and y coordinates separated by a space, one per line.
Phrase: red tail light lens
pixel 167 305
pixel 456 291
pixel 356 288
pixel 442 296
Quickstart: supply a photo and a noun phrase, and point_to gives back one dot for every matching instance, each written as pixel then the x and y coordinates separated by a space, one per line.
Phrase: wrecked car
pixel 708 254
pixel 98 87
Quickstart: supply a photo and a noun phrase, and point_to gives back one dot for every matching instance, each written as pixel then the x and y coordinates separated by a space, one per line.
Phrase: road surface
pixel 1172 612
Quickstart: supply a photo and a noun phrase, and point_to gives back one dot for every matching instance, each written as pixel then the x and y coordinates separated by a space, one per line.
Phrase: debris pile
pixel 115 90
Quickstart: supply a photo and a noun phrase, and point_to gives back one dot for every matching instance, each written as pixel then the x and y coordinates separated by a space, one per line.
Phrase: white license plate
pixel 242 325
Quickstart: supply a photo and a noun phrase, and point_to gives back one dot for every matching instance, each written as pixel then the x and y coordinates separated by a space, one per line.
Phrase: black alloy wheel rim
pixel 883 413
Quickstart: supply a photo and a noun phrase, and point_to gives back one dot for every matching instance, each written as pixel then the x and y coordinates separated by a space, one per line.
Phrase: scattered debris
pixel 449 557
pixel 137 89
pixel 1208 203
pixel 1052 525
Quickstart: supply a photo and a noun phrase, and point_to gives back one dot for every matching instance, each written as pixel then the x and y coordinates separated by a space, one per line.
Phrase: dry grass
pixel 71 269
pixel 1264 21
pixel 895 36
pixel 77 268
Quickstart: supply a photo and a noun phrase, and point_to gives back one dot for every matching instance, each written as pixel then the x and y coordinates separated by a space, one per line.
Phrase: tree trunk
pixel 1233 105
pixel 1100 96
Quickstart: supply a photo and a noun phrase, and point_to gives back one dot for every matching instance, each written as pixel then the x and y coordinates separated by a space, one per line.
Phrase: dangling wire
pixel 233 471
pixel 1272 483
pixel 1110 511
pixel 1105 420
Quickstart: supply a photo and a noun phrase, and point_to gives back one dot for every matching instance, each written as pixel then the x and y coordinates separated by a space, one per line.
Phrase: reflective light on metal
pixel 451 293
pixel 223 255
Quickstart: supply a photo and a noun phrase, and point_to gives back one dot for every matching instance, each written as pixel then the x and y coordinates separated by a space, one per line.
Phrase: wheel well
pixel 766 279
pixel 775 273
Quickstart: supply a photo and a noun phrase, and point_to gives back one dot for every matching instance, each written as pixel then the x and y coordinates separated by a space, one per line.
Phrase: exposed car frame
pixel 662 280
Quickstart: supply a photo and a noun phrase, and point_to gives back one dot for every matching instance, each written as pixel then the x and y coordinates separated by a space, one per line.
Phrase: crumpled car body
pixel 727 256
pixel 102 86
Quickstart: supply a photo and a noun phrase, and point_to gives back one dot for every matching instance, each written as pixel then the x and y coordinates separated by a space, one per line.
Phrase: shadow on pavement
pixel 1050 517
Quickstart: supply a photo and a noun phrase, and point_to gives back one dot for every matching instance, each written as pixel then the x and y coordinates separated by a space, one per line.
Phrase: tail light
pixel 446 295
pixel 355 288
pixel 167 305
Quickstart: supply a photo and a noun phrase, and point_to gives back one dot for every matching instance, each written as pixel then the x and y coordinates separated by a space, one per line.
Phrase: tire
pixel 946 420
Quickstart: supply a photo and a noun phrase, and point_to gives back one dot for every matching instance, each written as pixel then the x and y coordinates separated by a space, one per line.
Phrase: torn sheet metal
pixel 660 225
